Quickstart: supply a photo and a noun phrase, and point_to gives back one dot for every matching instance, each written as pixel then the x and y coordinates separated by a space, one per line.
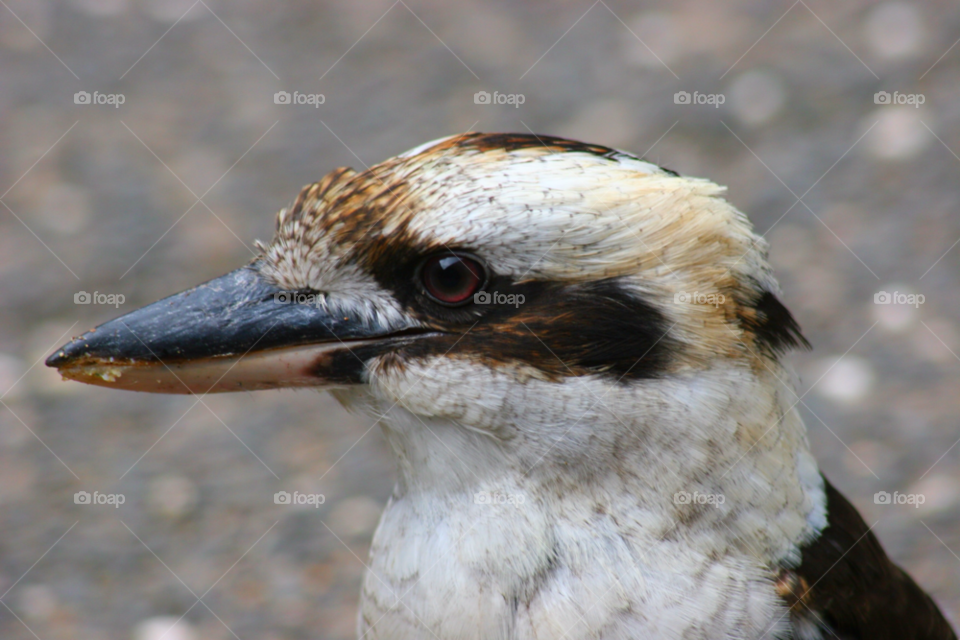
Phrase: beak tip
pixel 70 352
pixel 85 359
pixel 57 359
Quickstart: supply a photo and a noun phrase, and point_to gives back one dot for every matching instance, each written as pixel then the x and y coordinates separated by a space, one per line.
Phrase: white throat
pixel 587 507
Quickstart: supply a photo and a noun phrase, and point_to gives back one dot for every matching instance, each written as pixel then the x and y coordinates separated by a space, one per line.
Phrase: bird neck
pixel 718 458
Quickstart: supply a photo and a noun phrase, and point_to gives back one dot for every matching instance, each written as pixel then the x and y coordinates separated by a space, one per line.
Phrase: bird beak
pixel 234 333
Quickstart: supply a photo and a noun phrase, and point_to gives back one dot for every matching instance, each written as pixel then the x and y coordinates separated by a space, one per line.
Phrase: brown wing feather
pixel 847 584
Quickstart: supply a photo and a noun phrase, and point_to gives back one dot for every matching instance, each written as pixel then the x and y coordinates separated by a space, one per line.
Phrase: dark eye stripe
pixel 560 329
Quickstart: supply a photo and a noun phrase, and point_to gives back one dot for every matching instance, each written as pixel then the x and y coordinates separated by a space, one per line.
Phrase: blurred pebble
pixel 935 575
pixel 651 40
pixel 756 96
pixel 359 16
pixel 899 133
pixel 894 30
pixel 12 433
pixel 822 288
pixel 715 26
pixel 894 317
pixel 253 114
pixel 38 601
pixel 290 448
pixel 490 36
pixel 354 516
pixel 164 628
pixel 217 235
pixel 867 457
pixel 35 13
pixel 18 475
pixel 790 246
pixel 101 8
pixel 937 341
pixel 29 133
pixel 846 379
pixel 172 10
pixel 845 219
pixel 11 368
pixel 15 253
pixel 172 496
pixel 940 492
pixel 64 208
pixel 292 609
pixel 339 619
pixel 201 168
pixel 197 568
pixel 607 122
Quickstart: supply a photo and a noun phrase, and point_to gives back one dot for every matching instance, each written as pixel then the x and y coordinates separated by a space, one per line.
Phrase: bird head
pixel 557 300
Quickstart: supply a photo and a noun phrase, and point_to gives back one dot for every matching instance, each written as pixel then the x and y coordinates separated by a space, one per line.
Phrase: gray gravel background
pixel 103 199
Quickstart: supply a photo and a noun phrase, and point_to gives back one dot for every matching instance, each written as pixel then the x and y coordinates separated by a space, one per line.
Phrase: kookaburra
pixel 576 357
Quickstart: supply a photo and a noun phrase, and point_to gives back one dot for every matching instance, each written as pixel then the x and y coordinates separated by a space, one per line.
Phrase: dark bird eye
pixel 452 279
